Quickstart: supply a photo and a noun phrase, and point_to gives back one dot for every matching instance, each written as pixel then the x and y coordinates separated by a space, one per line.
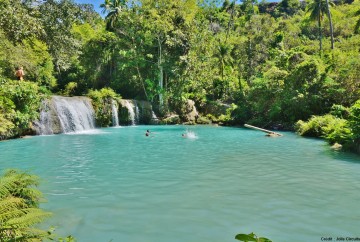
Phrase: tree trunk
pixel 161 84
pixel 142 82
pixel 161 74
pixel 331 24
pixel 320 32
pixel 230 20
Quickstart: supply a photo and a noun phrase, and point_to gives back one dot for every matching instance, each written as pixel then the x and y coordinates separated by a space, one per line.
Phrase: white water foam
pixel 190 135
pixel 87 132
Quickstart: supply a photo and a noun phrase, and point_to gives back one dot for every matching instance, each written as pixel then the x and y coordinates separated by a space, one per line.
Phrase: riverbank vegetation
pixel 276 63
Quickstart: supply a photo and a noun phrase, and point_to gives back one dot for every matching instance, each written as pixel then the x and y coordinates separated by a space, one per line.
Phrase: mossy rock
pixel 203 120
pixel 172 119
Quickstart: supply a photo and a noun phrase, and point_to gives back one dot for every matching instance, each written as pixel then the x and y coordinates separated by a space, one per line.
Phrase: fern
pixel 10 203
pixel 7 184
pixel 19 207
pixel 30 217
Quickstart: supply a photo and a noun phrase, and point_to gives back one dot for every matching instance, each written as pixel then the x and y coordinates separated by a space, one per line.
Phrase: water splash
pixel 190 135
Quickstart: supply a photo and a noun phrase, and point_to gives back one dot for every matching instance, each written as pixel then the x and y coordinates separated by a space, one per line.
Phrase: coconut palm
pixel 113 8
pixel 317 9
pixel 328 4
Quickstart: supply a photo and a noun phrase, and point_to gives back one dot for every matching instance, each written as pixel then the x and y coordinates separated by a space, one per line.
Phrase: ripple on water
pixel 115 182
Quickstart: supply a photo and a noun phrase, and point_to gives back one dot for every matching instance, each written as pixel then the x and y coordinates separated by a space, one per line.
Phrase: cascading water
pixel 137 112
pixel 44 125
pixel 154 118
pixel 75 114
pixel 130 107
pixel 115 115
pixel 132 112
pixel 65 115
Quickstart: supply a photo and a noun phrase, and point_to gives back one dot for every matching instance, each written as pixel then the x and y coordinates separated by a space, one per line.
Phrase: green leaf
pixel 264 240
pixel 244 237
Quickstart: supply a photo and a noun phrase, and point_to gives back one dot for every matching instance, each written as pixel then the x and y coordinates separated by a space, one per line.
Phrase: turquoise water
pixel 116 184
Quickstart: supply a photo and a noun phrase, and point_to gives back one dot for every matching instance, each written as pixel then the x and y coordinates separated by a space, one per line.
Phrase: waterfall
pixel 115 115
pixel 65 115
pixel 132 112
pixel 154 118
pixel 137 112
pixel 75 114
pixel 130 107
pixel 44 125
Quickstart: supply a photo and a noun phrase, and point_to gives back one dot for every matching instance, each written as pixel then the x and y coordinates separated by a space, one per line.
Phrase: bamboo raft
pixel 269 133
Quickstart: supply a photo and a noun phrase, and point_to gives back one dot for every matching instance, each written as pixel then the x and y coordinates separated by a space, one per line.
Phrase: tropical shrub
pixel 333 129
pixel 102 102
pixel 339 132
pixel 20 103
pixel 70 88
pixel 314 127
pixel 339 111
pixel 354 120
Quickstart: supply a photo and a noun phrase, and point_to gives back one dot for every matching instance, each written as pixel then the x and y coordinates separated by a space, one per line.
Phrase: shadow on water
pixel 342 155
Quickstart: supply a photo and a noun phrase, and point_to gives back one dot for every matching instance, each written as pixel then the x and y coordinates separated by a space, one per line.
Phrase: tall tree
pixel 113 9
pixel 317 9
pixel 328 4
pixel 18 21
pixel 58 19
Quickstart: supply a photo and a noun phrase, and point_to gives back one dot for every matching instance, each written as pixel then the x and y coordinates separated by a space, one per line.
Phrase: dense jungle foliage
pixel 277 63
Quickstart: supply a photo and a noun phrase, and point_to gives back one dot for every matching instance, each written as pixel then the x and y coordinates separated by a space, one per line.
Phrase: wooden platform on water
pixel 269 132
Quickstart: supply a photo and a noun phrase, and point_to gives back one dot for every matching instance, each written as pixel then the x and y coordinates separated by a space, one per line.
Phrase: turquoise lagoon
pixel 116 184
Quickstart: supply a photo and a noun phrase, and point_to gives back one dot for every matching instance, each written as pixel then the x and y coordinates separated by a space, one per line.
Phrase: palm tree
pixel 232 6
pixel 330 22
pixel 113 9
pixel 317 9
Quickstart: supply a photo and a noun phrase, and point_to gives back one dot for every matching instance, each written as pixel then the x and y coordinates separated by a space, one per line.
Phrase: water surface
pixel 117 184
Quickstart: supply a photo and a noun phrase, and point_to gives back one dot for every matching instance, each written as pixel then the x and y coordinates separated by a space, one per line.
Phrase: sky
pixel 96 3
